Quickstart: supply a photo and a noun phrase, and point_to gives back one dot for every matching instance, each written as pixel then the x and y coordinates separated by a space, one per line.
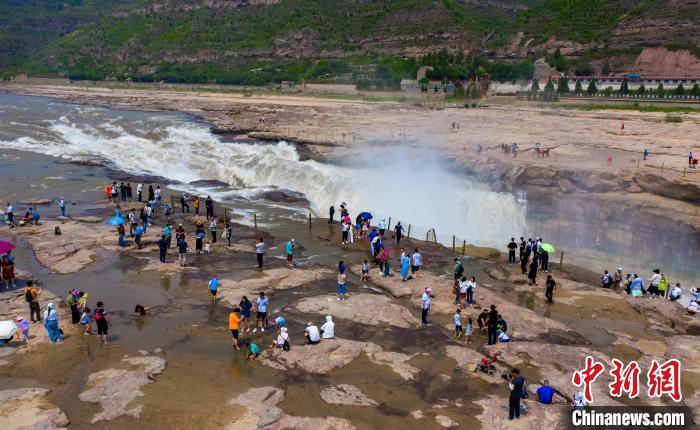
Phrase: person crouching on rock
pixel 311 334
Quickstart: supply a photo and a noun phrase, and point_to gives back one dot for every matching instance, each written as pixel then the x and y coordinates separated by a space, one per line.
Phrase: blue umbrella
pixel 366 215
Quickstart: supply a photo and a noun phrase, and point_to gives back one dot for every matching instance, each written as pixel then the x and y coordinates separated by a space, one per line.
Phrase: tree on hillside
pixel 679 91
pixel 563 86
pixel 695 91
pixel 584 69
pixel 606 68
pixel 641 90
pixel 624 88
pixel 579 88
pixel 660 90
pixel 535 85
pixel 549 91
pixel 592 89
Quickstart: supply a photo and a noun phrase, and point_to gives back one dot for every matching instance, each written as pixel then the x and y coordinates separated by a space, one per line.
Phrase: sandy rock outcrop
pixel 445 421
pixel 13 304
pixel 262 412
pixel 495 415
pixel 665 316
pixel 28 408
pixel 114 389
pixel 346 394
pixel 270 280
pixel 333 354
pixel 372 309
pixel 71 251
pixel 522 323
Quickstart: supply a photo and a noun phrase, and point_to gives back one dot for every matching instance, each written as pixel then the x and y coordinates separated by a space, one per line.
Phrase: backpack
pixel 460 269
pixel 285 345
pixel 524 394
pixel 28 296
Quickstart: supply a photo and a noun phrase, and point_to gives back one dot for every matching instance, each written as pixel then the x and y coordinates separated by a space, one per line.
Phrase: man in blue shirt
pixel 545 393
pixel 213 286
pixel 289 247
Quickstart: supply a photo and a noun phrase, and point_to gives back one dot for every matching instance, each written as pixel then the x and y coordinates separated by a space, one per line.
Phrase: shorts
pixel 246 314
pixel 415 269
pixel 102 328
pixel 462 295
pixel 458 328
pixel 213 292
pixel 261 315
pixel 234 333
pixel 290 257
pixel 342 288
pixel 365 271
pixel 313 342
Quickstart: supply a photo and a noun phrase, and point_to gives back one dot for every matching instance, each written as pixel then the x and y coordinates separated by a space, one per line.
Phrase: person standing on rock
pixel 100 317
pixel 137 236
pixel 458 272
pixel 532 274
pixel 521 248
pixel 425 306
pixel 62 206
pixel 228 232
pixel 259 251
pixel 234 320
pixel 511 250
pixel 195 203
pixel 139 192
pixel 417 261
pixel 331 214
pixel 398 232
pixel 471 286
pixel 213 287
pixel 72 302
pixel 246 307
pixel 163 248
pixel 261 312
pixel 182 251
pixel 617 280
pixel 8 273
pixel 151 194
pixel 405 264
pixel 551 287
pixel 212 229
pixel 492 325
pixel 462 292
pixel 209 204
pixel 51 324
pixel 168 233
pixel 31 295
pixel 458 323
pixel 129 195
pixel 517 387
pixel 342 282
pixel 289 248
pixel 183 204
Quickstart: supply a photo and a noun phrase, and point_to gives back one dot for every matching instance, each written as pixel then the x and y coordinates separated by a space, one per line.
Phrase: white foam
pixel 415 188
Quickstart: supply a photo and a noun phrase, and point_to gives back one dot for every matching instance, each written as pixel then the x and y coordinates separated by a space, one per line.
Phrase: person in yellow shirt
pixel 234 319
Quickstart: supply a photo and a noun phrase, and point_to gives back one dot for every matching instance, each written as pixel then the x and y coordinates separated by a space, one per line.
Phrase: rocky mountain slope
pixel 252 41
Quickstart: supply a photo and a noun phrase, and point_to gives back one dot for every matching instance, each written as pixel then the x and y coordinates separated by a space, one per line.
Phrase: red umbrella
pixel 6 246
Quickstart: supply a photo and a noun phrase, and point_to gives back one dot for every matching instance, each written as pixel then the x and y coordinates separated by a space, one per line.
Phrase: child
pixel 458 323
pixel 24 327
pixel 251 351
pixel 207 248
pixel 468 332
pixel 213 286
pixel 365 271
pixel 85 321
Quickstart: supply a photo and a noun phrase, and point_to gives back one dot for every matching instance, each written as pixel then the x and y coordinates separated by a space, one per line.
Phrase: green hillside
pixel 261 41
pixel 26 26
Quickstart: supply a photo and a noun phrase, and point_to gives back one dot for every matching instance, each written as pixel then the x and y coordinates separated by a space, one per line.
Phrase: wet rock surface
pixel 345 394
pixel 28 408
pixel 115 389
pixel 283 196
pixel 262 412
pixel 271 280
pixel 332 354
pixel 372 309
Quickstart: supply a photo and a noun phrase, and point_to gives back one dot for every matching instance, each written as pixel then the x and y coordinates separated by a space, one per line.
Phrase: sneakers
pixel 255 330
pixel 262 329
